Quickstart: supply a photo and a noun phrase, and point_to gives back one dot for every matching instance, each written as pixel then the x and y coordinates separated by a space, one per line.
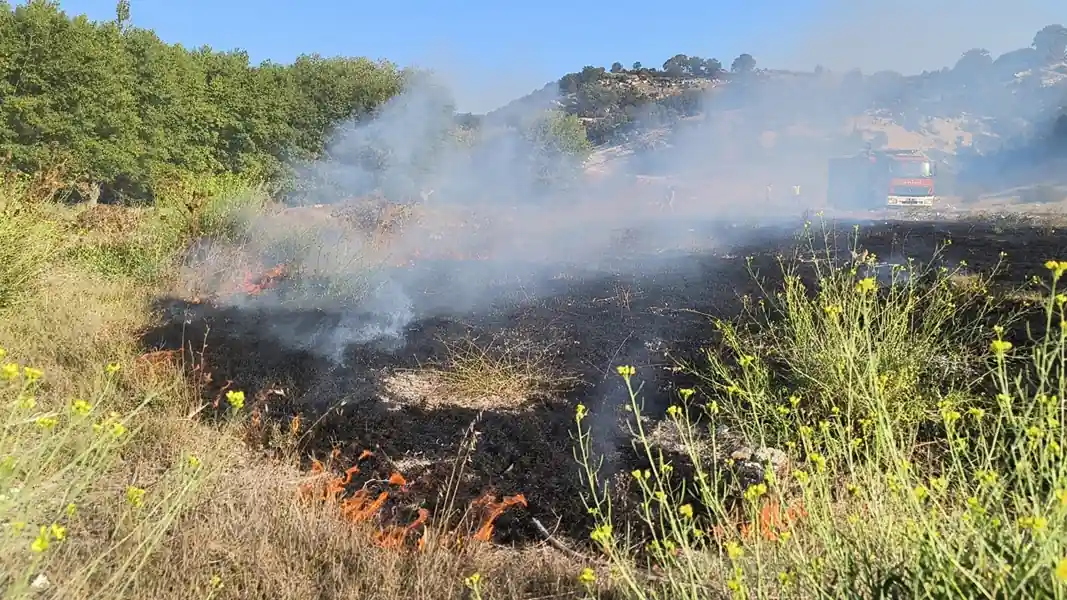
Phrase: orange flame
pixel 773 521
pixel 364 506
pixel 493 510
pixel 254 284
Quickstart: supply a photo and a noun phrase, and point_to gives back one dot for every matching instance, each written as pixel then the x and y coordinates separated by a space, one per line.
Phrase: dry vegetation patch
pixel 499 375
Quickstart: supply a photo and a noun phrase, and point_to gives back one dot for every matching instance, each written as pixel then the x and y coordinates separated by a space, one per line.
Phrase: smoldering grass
pixel 509 373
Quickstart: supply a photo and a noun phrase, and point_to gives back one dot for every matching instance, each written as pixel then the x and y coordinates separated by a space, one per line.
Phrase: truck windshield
pixel 904 168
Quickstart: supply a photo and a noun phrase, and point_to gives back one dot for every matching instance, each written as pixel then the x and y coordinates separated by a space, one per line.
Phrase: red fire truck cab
pixel 882 178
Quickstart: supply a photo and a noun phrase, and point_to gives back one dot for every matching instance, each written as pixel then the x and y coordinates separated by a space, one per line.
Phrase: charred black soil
pixel 587 321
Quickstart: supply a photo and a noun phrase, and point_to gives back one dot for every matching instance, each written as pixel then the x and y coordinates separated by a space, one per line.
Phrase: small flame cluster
pixel 365 505
pixel 257 284
pixel 773 521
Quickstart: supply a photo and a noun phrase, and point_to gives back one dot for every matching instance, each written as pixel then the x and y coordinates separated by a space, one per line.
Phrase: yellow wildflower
pixel 755 492
pixel 865 285
pixel 112 368
pixel 1061 570
pixel 626 370
pixel 601 534
pixel 1000 347
pixel 818 460
pixel 734 550
pixel 236 399
pixel 27 402
pixel 135 496
pixel 1033 523
pixel 58 531
pixel 686 393
pixel 473 581
pixel 40 543
pixel 81 407
pixel 920 492
pixel 673 410
pixel 580 411
pixel 3 354
pixel 47 423
pixel 194 462
pixel 587 577
pixel 9 371
pixel 686 510
pixel 32 374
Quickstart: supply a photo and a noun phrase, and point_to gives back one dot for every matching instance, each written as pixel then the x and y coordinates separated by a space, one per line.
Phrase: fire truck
pixel 875 179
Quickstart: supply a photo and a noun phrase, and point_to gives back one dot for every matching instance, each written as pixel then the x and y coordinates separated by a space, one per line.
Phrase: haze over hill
pixel 692 113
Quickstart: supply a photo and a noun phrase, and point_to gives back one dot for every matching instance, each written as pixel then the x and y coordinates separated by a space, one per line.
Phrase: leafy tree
pixel 677 65
pixel 1051 42
pixel 67 94
pixel 637 66
pixel 712 68
pixel 122 14
pixel 556 132
pixel 973 62
pixel 743 64
pixel 617 67
pixel 116 106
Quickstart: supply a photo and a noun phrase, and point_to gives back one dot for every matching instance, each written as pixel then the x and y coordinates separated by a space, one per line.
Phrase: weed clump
pixel 902 484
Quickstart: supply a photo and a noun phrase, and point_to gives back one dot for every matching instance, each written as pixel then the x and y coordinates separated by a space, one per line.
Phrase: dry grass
pixel 111 486
pixel 500 374
pixel 176 507
pixel 249 538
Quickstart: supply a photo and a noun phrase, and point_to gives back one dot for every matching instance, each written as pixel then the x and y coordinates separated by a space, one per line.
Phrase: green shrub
pixel 862 340
pixel 861 508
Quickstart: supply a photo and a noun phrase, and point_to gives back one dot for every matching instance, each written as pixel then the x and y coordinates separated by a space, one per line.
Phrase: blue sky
pixel 492 52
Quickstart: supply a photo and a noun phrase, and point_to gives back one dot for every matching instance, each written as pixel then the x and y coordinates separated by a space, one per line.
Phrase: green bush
pixel 863 340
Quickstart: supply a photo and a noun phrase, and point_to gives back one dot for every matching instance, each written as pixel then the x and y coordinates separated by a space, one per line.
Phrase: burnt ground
pixel 528 451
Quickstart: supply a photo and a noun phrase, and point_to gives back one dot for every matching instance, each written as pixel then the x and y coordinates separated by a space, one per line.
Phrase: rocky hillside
pixel 978 105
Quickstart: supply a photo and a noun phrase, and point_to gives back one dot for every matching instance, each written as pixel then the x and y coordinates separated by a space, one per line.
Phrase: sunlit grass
pixel 897 484
pixel 922 434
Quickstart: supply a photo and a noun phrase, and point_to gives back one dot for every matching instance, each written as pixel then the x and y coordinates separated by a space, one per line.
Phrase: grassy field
pixel 119 478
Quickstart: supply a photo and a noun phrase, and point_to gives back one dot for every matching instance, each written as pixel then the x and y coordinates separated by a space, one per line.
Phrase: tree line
pixel 611 101
pixel 609 109
pixel 122 111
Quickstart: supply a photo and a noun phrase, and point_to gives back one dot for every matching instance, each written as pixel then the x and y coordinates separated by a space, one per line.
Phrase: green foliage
pixel 849 337
pixel 121 109
pixel 968 500
pixel 743 64
pixel 611 102
pixel 559 144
